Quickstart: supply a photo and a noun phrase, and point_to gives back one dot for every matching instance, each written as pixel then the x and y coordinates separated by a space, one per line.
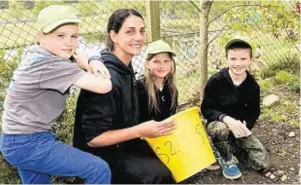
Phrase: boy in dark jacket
pixel 231 106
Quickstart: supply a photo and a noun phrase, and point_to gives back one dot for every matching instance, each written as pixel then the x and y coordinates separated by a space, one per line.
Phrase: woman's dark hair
pixel 115 22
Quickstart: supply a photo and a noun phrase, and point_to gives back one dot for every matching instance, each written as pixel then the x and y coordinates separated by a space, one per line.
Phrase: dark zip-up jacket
pixel 98 113
pixel 222 97
pixel 163 101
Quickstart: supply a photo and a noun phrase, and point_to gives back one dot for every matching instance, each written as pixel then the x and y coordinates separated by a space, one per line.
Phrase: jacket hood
pixel 112 61
pixel 225 74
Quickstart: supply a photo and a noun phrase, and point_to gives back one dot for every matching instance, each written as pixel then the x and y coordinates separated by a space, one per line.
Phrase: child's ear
pixel 41 38
pixel 147 64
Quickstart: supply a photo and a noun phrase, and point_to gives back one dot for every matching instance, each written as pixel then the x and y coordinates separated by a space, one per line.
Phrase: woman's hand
pixel 153 128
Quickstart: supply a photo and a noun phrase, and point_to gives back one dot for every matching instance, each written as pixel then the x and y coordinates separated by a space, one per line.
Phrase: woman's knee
pixel 159 177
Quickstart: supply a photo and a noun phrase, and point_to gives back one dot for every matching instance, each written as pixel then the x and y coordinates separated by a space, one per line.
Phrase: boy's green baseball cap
pixel 158 46
pixel 55 15
pixel 238 40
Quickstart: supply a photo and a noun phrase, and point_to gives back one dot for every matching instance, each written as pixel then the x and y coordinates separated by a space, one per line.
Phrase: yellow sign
pixel 187 150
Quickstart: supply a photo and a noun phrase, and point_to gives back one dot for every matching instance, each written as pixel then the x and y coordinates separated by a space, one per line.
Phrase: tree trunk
pixel 29 4
pixel 203 47
pixel 4 5
pixel 153 20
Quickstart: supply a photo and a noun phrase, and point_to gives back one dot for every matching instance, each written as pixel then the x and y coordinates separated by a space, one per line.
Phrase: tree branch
pixel 195 5
pixel 233 8
pixel 224 28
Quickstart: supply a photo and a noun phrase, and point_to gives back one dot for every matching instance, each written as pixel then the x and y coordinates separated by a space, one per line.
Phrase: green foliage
pixel 64 128
pixel 179 9
pixel 284 110
pixel 286 78
pixel 9 174
pixel 244 16
pixel 40 4
pixel 111 7
pixel 266 85
pixel 289 63
pixel 6 73
pixel 87 8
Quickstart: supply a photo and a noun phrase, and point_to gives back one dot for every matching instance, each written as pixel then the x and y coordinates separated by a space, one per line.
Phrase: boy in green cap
pixel 231 106
pixel 36 98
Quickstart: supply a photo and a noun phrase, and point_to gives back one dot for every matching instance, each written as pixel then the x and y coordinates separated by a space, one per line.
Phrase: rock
pixel 292 169
pixel 280 172
pixel 270 100
pixel 283 178
pixel 272 176
pixel 267 174
pixel 291 134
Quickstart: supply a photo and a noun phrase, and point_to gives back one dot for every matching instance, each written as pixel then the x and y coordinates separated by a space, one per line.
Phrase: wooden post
pixel 4 5
pixel 205 6
pixel 153 20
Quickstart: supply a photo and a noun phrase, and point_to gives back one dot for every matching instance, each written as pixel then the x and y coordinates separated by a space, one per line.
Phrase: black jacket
pixel 98 113
pixel 145 115
pixel 163 101
pixel 222 97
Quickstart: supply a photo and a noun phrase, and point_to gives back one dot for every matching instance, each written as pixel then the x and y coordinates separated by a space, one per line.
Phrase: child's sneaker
pixel 230 169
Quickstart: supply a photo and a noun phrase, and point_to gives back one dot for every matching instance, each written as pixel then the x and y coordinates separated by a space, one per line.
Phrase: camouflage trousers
pixel 248 150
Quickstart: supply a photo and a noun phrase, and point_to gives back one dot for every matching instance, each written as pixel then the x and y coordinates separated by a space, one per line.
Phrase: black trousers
pixel 141 167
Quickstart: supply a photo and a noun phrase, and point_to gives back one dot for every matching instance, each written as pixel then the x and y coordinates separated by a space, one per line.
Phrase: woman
pixel 106 125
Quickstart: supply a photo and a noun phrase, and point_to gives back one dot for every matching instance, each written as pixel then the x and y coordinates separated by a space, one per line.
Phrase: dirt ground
pixel 282 142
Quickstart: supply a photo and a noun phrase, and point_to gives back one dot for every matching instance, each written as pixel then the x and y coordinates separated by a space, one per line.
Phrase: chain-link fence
pixel 273 29
pixel 179 22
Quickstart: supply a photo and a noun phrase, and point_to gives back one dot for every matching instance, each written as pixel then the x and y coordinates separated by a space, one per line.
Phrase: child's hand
pixel 81 60
pixel 153 128
pixel 236 127
pixel 99 69
pixel 247 131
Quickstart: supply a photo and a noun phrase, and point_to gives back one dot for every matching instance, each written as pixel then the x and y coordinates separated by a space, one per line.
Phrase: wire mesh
pixel 179 22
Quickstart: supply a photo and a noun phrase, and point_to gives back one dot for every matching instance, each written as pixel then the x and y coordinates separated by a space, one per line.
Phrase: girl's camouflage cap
pixel 55 15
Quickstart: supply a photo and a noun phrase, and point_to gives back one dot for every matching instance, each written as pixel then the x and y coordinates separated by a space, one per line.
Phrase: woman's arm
pixel 146 129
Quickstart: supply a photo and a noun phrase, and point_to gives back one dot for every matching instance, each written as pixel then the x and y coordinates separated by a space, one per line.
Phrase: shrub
pixel 286 78
pixel 8 173
pixel 289 63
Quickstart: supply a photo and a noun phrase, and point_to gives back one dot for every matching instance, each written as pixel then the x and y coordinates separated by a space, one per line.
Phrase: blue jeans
pixel 38 156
